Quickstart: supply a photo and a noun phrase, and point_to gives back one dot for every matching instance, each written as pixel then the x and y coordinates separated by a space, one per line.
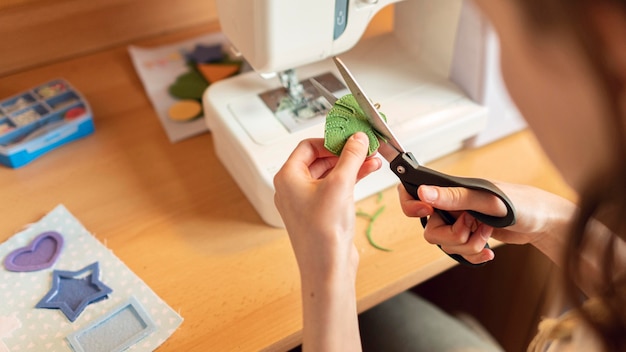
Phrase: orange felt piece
pixel 215 72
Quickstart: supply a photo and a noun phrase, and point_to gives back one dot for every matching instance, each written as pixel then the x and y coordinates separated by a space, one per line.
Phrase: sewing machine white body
pixel 436 77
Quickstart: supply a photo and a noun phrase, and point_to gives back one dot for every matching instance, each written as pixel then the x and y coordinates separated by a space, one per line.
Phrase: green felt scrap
pixel 189 85
pixel 343 120
pixel 368 231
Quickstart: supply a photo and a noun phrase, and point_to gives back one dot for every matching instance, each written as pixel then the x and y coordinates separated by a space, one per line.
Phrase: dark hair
pixel 604 198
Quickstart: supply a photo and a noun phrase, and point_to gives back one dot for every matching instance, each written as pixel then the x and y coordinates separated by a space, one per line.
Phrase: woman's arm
pixel 315 197
pixel 543 220
pixel 329 310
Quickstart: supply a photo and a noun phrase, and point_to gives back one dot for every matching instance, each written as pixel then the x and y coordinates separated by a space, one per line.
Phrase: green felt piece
pixel 343 120
pixel 189 85
pixel 368 231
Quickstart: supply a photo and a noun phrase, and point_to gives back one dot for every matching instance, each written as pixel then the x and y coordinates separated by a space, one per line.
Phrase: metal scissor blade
pixel 328 95
pixel 387 151
pixel 373 116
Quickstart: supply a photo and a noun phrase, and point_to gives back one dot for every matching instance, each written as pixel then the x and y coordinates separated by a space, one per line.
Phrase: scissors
pixel 408 169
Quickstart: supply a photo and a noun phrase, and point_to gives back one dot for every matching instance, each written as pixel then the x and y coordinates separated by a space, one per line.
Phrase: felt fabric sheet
pixel 26 328
pixel 114 332
pixel 343 120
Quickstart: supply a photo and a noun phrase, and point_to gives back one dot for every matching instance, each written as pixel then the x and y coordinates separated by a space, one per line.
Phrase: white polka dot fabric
pixel 26 328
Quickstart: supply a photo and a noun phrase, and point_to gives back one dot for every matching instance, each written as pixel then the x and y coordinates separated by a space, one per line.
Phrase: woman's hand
pixel 315 198
pixel 542 218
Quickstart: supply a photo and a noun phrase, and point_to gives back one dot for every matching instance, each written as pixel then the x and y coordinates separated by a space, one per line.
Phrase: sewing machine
pixel 435 76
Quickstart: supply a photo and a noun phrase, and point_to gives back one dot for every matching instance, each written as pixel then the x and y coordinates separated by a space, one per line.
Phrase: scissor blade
pixel 328 95
pixel 373 116
pixel 387 151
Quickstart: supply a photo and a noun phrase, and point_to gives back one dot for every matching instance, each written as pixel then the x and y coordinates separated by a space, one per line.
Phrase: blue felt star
pixel 72 291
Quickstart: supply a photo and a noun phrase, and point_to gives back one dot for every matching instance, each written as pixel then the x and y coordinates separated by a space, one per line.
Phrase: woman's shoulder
pixel 581 340
pixel 567 333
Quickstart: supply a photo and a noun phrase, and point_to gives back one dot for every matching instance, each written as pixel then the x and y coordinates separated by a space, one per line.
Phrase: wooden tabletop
pixel 173 214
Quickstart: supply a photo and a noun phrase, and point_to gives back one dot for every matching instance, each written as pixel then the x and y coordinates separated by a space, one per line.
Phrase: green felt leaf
pixel 343 120
pixel 189 85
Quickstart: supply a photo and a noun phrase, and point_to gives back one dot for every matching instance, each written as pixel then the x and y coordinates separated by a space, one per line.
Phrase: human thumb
pixel 353 154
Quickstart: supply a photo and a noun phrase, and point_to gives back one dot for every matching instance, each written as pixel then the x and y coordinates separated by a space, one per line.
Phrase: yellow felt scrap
pixel 216 72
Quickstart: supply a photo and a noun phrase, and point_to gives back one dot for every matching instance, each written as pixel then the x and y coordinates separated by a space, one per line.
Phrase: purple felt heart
pixel 40 254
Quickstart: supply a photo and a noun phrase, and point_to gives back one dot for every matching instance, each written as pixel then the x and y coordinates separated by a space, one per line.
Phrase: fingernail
pixel 361 138
pixel 422 213
pixel 468 220
pixel 488 255
pixel 429 194
pixel 485 232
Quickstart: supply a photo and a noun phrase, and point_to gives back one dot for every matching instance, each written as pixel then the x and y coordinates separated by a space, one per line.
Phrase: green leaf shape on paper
pixel 343 120
pixel 189 85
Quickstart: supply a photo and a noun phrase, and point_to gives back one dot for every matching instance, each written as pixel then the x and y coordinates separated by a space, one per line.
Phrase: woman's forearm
pixel 330 313
pixel 598 237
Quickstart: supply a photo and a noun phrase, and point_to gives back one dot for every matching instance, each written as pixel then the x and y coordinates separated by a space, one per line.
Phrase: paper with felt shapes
pixel 160 67
pixel 26 328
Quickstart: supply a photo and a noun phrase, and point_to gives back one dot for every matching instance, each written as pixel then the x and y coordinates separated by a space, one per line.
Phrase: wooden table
pixel 172 213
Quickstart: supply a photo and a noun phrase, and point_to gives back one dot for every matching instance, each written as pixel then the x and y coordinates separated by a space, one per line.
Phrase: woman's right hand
pixel 541 217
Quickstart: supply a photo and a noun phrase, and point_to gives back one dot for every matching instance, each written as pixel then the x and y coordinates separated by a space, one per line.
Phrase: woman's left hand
pixel 315 197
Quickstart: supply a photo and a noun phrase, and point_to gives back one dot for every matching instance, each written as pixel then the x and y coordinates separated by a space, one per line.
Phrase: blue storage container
pixel 41 119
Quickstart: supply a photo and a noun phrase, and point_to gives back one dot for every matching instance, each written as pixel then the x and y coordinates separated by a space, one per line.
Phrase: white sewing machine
pixel 436 77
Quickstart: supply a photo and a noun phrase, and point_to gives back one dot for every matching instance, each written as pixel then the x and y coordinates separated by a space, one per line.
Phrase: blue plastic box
pixel 41 119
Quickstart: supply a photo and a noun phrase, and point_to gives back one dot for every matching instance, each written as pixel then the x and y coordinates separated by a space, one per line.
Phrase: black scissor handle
pixel 412 175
